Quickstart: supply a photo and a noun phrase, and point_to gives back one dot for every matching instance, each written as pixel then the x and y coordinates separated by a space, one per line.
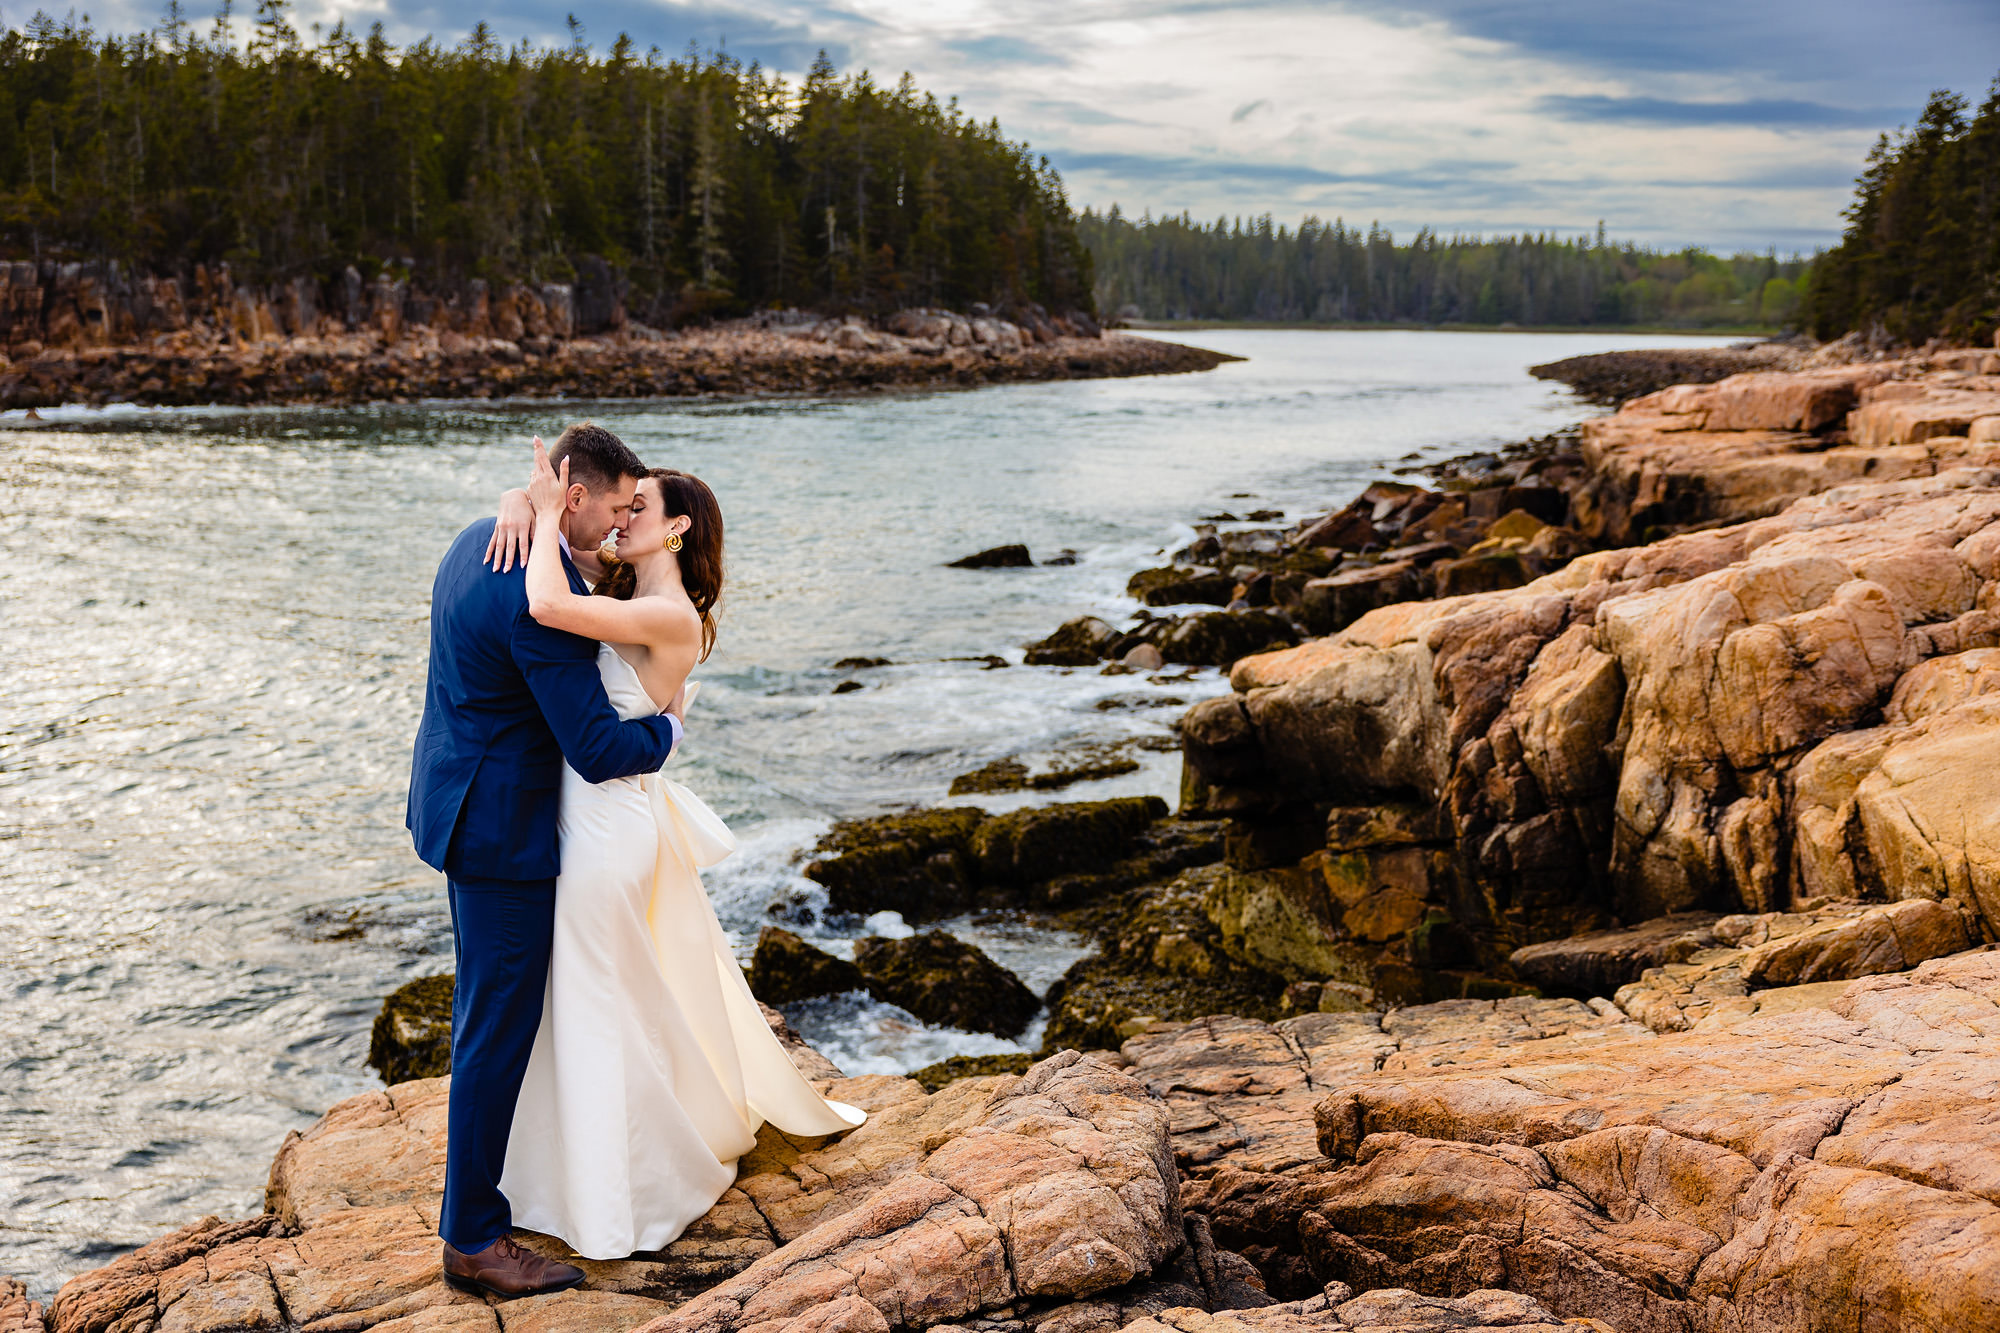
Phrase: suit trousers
pixel 501 930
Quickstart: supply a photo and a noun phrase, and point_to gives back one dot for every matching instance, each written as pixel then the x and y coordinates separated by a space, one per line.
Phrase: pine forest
pixel 710 186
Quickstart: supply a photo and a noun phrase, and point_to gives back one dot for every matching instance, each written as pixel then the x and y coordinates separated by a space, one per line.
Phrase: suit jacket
pixel 507 701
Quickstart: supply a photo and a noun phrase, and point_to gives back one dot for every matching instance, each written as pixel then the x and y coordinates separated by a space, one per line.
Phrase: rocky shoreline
pixel 89 334
pixel 1581 912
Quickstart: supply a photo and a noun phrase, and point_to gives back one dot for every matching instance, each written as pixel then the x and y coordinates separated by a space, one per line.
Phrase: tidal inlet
pixel 661 676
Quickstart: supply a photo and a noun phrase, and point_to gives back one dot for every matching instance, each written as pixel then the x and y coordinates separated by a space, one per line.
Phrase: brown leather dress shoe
pixel 508 1269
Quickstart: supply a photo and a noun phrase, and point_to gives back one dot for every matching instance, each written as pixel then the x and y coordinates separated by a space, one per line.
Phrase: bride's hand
pixel 513 532
pixel 547 486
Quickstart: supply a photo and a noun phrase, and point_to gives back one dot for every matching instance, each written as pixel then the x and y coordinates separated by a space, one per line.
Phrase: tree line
pixel 1920 257
pixel 710 186
pixel 1180 268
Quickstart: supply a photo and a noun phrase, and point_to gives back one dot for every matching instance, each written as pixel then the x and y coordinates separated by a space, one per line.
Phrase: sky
pixel 1733 125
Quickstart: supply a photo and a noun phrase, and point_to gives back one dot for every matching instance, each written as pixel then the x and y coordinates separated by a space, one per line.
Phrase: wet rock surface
pixel 784 969
pixel 411 1037
pixel 945 981
pixel 932 863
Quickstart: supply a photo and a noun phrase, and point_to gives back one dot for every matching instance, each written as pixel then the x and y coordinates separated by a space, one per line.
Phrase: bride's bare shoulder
pixel 674 614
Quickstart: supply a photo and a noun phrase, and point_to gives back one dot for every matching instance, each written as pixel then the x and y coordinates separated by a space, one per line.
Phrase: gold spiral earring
pixel 673 541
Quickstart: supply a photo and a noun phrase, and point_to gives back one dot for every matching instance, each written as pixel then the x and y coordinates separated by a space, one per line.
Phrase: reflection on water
pixel 215 629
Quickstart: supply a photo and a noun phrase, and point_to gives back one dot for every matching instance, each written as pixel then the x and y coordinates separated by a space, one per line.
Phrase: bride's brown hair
pixel 682 494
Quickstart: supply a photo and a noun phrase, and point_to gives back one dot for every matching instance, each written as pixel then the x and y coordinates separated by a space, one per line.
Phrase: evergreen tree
pixel 1177 268
pixel 710 185
pixel 1920 258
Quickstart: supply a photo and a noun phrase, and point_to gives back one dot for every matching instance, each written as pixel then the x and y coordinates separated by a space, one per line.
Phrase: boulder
pixel 945 981
pixel 1083 641
pixel 916 863
pixel 1748 955
pixel 1599 962
pixel 1176 585
pixel 1219 638
pixel 411 1037
pixel 1634 735
pixel 1040 843
pixel 785 969
pixel 1331 604
pixel 998 557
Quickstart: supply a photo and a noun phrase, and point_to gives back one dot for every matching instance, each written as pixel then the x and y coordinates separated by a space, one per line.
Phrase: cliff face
pixel 1756 716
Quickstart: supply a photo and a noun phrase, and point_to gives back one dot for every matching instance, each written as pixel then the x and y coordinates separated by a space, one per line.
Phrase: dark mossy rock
pixel 861 663
pixel 1101 1002
pixel 1159 957
pixel 785 969
pixel 1487 572
pixel 1159 852
pixel 1175 585
pixel 1032 846
pixel 1331 604
pixel 1090 765
pixel 934 1077
pixel 412 1035
pixel 1083 641
pixel 1219 638
pixel 943 980
pixel 916 863
pixel 1000 775
pixel 1014 556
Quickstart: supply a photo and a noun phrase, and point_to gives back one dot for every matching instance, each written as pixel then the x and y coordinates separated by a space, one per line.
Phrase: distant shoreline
pixel 364 367
pixel 1641 330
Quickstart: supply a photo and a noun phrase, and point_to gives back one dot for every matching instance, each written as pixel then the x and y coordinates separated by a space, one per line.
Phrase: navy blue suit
pixel 507 702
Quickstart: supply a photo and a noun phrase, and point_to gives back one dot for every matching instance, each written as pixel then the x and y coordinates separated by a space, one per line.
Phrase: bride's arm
pixel 646 620
pixel 514 534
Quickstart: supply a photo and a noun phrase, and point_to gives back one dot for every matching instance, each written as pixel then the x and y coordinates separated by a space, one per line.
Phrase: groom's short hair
pixel 598 459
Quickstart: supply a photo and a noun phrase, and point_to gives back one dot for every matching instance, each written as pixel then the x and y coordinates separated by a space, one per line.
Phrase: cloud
pixel 1249 109
pixel 1765 113
pixel 1440 175
pixel 999 49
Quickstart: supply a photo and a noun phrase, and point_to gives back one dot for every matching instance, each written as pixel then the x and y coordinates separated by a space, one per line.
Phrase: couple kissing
pixel 608 1064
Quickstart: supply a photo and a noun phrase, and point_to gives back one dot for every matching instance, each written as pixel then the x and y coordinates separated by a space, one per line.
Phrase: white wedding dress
pixel 653 1067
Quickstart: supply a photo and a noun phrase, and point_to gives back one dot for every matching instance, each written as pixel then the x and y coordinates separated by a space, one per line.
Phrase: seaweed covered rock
pixel 1219 638
pixel 411 1037
pixel 1174 585
pixel 785 969
pixel 1014 556
pixel 1037 844
pixel 934 863
pixel 943 980
pixel 1159 957
pixel 1083 641
pixel 934 1077
pixel 915 863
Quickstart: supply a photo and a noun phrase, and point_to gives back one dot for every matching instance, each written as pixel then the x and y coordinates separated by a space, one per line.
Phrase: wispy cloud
pixel 999 48
pixel 1722 123
pixel 1763 112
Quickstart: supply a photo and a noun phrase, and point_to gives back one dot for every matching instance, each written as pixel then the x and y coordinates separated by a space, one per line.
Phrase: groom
pixel 507 703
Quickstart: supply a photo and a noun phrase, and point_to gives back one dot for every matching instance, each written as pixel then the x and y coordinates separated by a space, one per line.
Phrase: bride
pixel 653 1067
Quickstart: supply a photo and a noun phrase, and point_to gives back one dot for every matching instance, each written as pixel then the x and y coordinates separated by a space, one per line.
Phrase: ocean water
pixel 215 624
